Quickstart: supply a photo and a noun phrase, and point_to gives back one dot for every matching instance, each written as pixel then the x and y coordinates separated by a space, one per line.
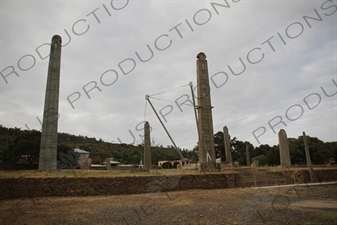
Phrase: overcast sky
pixel 288 59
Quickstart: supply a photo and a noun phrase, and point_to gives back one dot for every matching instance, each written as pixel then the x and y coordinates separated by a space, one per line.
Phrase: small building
pixel 83 161
pixel 113 163
pixel 168 164
pixel 102 166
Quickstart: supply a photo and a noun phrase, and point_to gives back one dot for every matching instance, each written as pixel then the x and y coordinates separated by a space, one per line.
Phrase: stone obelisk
pixel 227 145
pixel 307 154
pixel 284 148
pixel 247 155
pixel 147 147
pixel 48 147
pixel 205 121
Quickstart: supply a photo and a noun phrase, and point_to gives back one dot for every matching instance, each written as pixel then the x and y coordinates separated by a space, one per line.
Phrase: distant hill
pixel 99 150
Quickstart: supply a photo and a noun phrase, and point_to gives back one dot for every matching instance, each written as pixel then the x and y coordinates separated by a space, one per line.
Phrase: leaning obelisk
pixel 48 147
pixel 205 121
pixel 307 154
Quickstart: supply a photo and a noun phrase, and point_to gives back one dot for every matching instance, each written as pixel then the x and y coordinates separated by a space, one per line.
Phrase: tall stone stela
pixel 205 121
pixel 284 148
pixel 147 147
pixel 247 155
pixel 228 152
pixel 48 146
pixel 107 164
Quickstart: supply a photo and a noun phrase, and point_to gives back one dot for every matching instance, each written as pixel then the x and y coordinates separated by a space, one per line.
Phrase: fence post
pixel 302 177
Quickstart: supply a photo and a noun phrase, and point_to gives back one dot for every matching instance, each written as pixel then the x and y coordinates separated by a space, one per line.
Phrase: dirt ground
pixel 280 205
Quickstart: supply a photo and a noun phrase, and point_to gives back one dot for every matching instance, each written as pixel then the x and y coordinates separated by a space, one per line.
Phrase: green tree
pixel 331 147
pixel 318 152
pixel 273 156
pixel 63 148
pixel 189 154
pixel 238 149
pixel 85 148
pixel 296 150
pixel 219 146
pixel 262 150
pixel 26 144
pixel 157 155
pixel 134 157
pixel 261 158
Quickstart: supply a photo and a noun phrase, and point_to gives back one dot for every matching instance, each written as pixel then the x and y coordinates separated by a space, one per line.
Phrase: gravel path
pixel 282 205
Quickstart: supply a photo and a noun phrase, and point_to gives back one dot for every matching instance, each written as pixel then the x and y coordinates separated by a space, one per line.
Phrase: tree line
pixel 320 152
pixel 16 142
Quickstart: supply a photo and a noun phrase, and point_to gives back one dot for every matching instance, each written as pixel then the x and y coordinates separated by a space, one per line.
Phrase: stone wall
pixel 318 175
pixel 207 167
pixel 12 188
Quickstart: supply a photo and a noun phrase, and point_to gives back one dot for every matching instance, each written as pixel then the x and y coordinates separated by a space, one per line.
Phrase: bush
pixel 262 160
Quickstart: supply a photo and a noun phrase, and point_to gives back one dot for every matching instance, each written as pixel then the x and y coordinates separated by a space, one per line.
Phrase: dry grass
pixel 66 173
pixel 89 173
pixel 112 173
